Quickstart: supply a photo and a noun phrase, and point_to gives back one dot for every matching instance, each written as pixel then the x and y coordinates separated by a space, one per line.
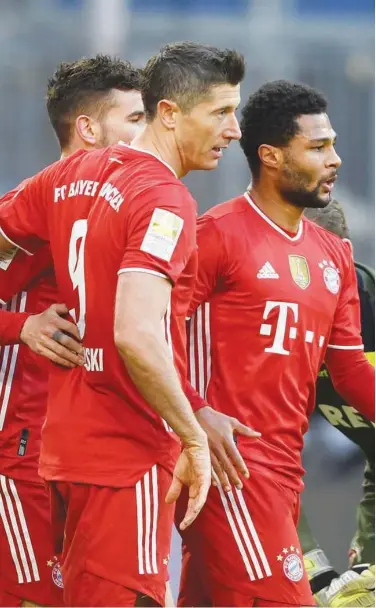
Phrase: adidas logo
pixel 267 272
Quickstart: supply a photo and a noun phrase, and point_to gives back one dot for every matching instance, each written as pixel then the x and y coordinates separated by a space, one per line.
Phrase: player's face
pixel 204 132
pixel 124 119
pixel 310 163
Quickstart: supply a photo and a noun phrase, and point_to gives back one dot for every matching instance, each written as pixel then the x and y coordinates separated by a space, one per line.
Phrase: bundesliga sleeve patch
pixel 6 258
pixel 162 234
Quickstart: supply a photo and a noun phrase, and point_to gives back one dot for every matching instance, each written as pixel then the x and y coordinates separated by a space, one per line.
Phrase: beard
pixel 294 189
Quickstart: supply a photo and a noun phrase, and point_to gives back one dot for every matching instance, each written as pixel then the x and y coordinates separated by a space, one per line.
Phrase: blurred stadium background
pixel 326 43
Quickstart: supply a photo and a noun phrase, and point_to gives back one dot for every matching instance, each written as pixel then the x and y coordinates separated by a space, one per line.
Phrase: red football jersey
pixel 105 212
pixel 27 285
pixel 266 307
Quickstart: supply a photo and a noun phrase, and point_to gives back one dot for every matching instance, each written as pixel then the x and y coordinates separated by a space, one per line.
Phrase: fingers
pixel 67 342
pixel 197 498
pixel 54 357
pixel 174 490
pixel 236 458
pixel 61 309
pixel 242 429
pixel 219 476
pixel 63 324
pixel 55 350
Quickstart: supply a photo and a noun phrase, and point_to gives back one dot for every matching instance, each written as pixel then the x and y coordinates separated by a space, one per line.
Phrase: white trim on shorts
pixel 147 522
pixel 17 533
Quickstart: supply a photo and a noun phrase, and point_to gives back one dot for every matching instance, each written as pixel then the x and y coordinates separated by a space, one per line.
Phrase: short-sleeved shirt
pixel 107 212
pixel 266 307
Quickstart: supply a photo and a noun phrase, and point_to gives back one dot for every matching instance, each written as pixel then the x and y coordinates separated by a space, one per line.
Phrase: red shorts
pixel 29 568
pixel 116 540
pixel 243 549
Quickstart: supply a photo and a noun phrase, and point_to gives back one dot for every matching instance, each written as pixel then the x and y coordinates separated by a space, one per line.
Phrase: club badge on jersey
pixel 331 276
pixel 291 563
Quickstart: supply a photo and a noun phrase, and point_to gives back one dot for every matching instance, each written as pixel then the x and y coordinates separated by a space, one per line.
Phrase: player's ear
pixel 86 128
pixel 270 156
pixel 167 112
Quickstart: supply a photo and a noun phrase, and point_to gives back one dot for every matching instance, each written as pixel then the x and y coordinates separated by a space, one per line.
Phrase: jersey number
pixel 76 265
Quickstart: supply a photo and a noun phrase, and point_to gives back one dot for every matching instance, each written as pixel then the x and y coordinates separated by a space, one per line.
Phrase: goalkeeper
pixel 356 586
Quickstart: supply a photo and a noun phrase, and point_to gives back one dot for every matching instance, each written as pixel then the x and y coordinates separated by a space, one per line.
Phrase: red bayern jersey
pixel 266 307
pixel 27 286
pixel 105 212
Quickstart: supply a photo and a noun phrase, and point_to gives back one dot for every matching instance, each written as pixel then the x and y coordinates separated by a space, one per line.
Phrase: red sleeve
pixel 345 333
pixel 11 324
pixel 353 378
pixel 210 260
pixel 18 271
pixel 23 219
pixel 160 232
pixel 196 401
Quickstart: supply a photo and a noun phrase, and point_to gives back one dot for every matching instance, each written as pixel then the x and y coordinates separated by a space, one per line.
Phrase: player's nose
pixel 233 129
pixel 334 159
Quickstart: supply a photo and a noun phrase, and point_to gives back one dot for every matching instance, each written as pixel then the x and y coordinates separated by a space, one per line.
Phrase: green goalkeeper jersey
pixel 359 430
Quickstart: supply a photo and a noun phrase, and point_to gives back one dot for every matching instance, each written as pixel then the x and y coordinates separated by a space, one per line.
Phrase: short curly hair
pixel 84 86
pixel 270 116
pixel 332 218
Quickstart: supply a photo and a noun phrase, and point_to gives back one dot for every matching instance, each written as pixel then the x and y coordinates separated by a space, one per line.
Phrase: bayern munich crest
pixel 56 572
pixel 331 276
pixel 291 563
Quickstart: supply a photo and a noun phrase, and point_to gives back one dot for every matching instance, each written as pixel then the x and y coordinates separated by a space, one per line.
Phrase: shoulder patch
pixel 162 234
pixel 6 258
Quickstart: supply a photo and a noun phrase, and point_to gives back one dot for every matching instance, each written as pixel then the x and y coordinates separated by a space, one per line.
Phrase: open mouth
pixel 329 183
pixel 218 150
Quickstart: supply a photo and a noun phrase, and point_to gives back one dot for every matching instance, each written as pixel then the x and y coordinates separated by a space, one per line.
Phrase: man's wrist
pixel 11 326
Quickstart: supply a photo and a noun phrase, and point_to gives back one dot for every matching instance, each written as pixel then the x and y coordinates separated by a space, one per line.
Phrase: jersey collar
pixel 272 224
pixel 151 154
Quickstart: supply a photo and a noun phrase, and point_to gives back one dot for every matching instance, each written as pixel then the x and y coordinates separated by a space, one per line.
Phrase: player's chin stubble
pixel 295 191
pixel 305 199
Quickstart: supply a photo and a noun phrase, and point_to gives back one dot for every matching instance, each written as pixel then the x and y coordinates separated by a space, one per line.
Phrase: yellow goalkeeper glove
pixel 351 589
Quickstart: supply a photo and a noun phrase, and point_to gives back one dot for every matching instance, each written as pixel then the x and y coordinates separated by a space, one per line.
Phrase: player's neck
pixel 280 211
pixel 161 145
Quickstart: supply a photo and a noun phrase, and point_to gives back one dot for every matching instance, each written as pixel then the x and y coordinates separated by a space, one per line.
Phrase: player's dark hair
pixel 184 72
pixel 85 86
pixel 332 218
pixel 270 116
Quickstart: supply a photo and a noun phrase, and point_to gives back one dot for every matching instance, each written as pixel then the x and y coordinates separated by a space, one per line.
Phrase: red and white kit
pixel 111 211
pixel 266 308
pixel 28 567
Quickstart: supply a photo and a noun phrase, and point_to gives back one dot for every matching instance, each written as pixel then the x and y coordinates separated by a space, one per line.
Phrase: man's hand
pixel 225 456
pixel 46 335
pixel 193 469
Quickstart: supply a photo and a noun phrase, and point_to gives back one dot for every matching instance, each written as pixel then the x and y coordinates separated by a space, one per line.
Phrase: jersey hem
pixel 145 270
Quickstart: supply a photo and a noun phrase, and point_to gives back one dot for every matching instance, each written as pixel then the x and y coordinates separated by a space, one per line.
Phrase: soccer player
pixel 354 587
pixel 122 229
pixel 91 102
pixel 275 296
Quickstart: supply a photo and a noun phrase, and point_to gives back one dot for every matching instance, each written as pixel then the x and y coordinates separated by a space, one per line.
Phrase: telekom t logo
pixel 280 333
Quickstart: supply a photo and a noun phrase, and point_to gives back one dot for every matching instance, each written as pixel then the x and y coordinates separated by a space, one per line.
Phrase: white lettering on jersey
pixel 85 187
pixel 93 359
pixel 162 234
pixel 112 196
pixel 60 193
pixel 282 331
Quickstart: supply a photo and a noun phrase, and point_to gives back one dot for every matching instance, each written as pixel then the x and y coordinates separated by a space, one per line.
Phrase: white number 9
pixel 76 268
